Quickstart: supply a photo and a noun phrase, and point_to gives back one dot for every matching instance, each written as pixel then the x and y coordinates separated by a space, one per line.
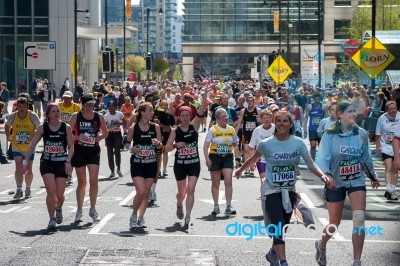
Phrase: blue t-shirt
pixel 281 158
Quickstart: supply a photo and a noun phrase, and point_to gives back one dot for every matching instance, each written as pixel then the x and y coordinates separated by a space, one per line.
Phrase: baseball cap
pixel 273 107
pixel 87 98
pixel 271 101
pixel 68 94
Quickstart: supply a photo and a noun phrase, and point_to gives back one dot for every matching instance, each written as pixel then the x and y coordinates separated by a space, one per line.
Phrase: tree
pixel 135 63
pixel 386 18
pixel 160 65
pixel 177 73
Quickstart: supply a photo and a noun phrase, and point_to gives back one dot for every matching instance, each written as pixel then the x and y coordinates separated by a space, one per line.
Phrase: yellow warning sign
pixel 279 70
pixel 373 57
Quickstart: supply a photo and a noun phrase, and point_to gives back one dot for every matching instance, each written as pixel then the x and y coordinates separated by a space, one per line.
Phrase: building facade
pixel 223 38
pixel 45 20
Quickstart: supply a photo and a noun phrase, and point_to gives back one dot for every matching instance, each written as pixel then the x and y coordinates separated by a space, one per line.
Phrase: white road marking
pixel 221 199
pixel 8 176
pixel 67 191
pixel 127 198
pixel 377 199
pixel 264 238
pixel 336 236
pixel 5 192
pixel 386 207
pixel 24 208
pixel 43 190
pixel 307 200
pixel 10 209
pixel 100 225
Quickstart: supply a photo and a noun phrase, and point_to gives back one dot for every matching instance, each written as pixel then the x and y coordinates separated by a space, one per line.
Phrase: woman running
pixel 146 137
pixel 344 155
pixel 187 162
pixel 55 163
pixel 282 153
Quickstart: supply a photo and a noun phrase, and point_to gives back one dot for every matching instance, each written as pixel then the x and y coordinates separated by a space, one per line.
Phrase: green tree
pixel 135 63
pixel 160 65
pixel 177 73
pixel 386 18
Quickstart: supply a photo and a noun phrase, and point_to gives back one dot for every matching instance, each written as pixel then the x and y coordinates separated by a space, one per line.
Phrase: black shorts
pixel 220 162
pixel 165 136
pixel 55 168
pixel 312 135
pixel 182 171
pixel 246 136
pixel 145 170
pixel 387 156
pixel 339 194
pixel 85 155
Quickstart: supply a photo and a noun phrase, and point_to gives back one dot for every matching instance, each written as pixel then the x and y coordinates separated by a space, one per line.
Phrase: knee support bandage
pixel 358 218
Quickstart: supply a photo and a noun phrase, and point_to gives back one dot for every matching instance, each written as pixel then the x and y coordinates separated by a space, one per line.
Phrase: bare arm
pixel 396 147
pixel 206 146
pixel 169 147
pixel 240 120
pixel 197 120
pixel 35 140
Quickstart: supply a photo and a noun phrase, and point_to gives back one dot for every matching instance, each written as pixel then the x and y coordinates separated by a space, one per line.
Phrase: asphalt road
pixel 26 241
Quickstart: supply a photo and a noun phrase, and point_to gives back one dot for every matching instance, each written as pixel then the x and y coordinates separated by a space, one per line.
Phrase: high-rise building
pixel 221 39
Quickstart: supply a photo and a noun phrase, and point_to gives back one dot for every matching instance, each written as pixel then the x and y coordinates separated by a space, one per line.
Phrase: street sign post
pixel 40 55
pixel 373 57
pixel 279 70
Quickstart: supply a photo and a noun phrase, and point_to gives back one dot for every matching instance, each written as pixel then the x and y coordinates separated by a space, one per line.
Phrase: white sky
pixel 180 6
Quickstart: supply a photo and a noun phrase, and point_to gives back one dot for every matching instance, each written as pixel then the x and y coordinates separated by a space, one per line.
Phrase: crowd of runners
pixel 248 126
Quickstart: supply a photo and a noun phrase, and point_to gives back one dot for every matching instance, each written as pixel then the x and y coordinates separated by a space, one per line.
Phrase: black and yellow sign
pixel 373 57
pixel 279 70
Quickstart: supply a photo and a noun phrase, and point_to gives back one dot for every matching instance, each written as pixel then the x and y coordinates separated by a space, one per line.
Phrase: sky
pixel 180 5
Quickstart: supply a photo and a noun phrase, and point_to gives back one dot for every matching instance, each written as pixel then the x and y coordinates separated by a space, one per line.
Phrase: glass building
pixel 223 37
pixel 20 21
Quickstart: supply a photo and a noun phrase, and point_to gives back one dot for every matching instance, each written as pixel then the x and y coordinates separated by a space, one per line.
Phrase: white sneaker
pixel 320 255
pixel 165 172
pixel 59 216
pixel 153 195
pixel 69 180
pixel 187 221
pixel 133 221
pixel 94 215
pixel 78 216
pixel 216 210
pixel 140 223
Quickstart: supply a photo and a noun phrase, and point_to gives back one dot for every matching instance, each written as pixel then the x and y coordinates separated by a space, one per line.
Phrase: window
pixel 342 2
pixel 341 29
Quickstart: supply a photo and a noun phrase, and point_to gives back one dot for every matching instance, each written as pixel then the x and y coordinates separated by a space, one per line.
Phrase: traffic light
pixel 259 65
pixel 149 63
pixel 106 61
pixel 112 61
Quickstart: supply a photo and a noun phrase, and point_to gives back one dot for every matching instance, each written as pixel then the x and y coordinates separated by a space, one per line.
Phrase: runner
pixel 265 130
pixel 385 131
pixel 23 123
pixel 219 145
pixel 55 162
pixel 343 154
pixel 86 126
pixel 316 112
pixel 67 108
pixel 114 119
pixel 250 117
pixel 146 137
pixel 187 162
pixel 328 121
pixel 282 153
pixel 297 115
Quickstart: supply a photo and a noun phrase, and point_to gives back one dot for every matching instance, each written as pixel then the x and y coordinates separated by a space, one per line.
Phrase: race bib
pixel 53 149
pixel 145 151
pixel 88 140
pixel 188 151
pixel 283 175
pixel 250 126
pixel 389 137
pixel 224 149
pixel 65 117
pixel 349 169
pixel 22 137
pixel 315 121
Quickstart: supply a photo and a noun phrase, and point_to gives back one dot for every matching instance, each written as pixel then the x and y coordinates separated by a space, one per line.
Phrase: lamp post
pixel 160 11
pixel 319 42
pixel 76 10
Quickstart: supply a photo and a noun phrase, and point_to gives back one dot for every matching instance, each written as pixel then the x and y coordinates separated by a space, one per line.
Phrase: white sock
pixel 153 187
pixel 390 188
